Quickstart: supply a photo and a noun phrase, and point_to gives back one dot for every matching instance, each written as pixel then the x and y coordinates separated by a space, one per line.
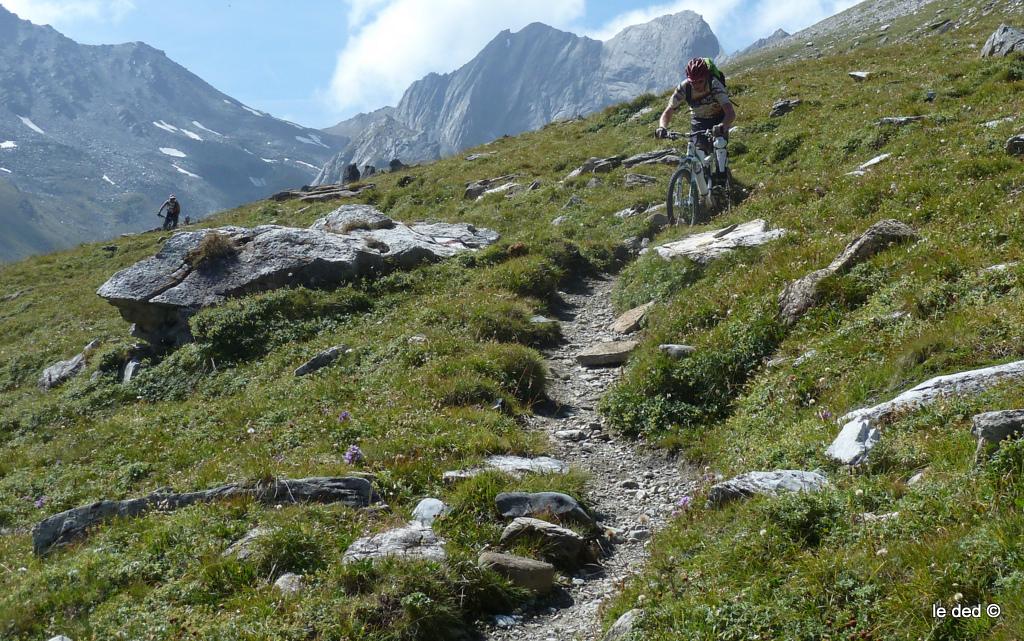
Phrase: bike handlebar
pixel 675 135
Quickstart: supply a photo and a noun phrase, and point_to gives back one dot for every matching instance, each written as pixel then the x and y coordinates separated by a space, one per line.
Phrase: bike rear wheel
pixel 683 202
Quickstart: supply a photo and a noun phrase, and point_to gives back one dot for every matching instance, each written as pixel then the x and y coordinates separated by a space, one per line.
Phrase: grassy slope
pixel 228 408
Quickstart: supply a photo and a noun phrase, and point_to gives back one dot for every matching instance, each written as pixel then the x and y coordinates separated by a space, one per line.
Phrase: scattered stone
pixel 561 220
pixel 60 637
pixel 806 356
pixel 536 576
pixel 593 183
pixel 412 541
pixel 596 166
pixel 556 504
pixel 289 583
pixel 899 121
pixel 1015 145
pixel 571 435
pixel 509 189
pixel 677 352
pixel 505 621
pixel 869 517
pixel 915 479
pixel 623 627
pixel 475 157
pixel 629 485
pixel 321 360
pixel 992 124
pixel 991 428
pixel 62 371
pixel 475 190
pixel 428 510
pixel 656 157
pixel 562 547
pixel 14 296
pixel 860 432
pixel 640 114
pixel 607 354
pixel 632 320
pixel 629 212
pixel 707 246
pixel 350 174
pixel 860 75
pixel 783 107
pixel 801 295
pixel 574 201
pixel 131 370
pixel 863 169
pixel 765 483
pixel 246 546
pixel 639 180
pixel 159 294
pixel 405 181
pixel 66 526
pixel 1003 41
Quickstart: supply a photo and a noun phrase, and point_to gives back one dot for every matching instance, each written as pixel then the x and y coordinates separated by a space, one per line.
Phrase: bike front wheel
pixel 683 202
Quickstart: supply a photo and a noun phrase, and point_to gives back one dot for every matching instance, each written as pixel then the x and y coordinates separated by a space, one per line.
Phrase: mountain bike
pixel 702 183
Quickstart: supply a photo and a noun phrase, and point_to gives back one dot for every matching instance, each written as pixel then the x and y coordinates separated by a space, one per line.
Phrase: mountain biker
pixel 710 107
pixel 173 208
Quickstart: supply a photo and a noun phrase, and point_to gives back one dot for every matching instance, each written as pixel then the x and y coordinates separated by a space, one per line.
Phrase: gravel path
pixel 630 490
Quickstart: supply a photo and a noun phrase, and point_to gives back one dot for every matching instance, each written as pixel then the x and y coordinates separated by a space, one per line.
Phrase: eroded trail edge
pixel 632 490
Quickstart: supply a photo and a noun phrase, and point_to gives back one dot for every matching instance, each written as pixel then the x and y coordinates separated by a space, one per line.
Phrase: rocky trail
pixel 631 492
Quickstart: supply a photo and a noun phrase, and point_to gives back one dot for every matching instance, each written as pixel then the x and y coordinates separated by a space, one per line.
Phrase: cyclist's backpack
pixel 716 74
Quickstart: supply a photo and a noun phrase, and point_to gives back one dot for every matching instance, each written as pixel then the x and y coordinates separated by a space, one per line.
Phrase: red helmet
pixel 697 69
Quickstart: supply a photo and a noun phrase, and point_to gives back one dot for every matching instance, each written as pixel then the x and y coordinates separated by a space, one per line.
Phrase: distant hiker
pixel 173 208
pixel 705 93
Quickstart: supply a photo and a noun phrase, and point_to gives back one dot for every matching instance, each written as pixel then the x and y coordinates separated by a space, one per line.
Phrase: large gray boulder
pixel 992 428
pixel 414 541
pixel 561 546
pixel 555 504
pixel 158 295
pixel 71 524
pixel 766 484
pixel 1015 145
pixel 607 354
pixel 515 465
pixel 861 428
pixel 245 547
pixel 623 626
pixel 801 295
pixel 320 361
pixel 1003 41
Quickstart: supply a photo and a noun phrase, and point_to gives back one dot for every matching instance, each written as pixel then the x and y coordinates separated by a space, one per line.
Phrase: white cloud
pixel 64 11
pixel 396 42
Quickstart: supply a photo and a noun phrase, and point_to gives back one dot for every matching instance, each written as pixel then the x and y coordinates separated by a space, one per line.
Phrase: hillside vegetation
pixel 227 408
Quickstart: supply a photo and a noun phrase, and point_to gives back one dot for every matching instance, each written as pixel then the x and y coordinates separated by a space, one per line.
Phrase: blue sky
pixel 318 61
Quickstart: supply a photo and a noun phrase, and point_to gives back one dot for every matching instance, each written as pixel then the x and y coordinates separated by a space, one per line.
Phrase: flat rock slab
pixel 515 465
pixel 556 504
pixel 71 524
pixel 708 246
pixel 321 360
pixel 475 190
pixel 607 354
pixel 412 542
pixel 677 352
pixel 561 546
pixel 530 574
pixel 765 483
pixel 860 432
pixel 783 107
pixel 632 320
pixel 158 295
pixel 656 157
pixel 61 372
pixel 863 168
pixel 899 121
pixel 289 583
pixel 596 166
pixel 639 180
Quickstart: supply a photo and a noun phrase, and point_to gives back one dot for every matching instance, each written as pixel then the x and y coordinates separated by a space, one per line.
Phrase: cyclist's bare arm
pixel 730 116
pixel 666 117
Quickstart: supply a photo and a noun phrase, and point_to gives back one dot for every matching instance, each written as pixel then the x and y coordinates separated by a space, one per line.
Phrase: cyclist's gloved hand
pixel 661 132
pixel 718 130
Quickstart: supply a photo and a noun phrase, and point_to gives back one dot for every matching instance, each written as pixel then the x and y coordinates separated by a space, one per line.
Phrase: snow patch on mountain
pixel 169 128
pixel 199 125
pixel 257 182
pixel 184 171
pixel 191 134
pixel 8 144
pixel 252 111
pixel 310 141
pixel 31 125
pixel 107 178
pixel 171 151
pixel 5 170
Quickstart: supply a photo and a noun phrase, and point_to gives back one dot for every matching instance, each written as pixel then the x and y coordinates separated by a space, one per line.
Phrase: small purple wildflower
pixel 40 502
pixel 344 416
pixel 682 505
pixel 824 414
pixel 353 455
